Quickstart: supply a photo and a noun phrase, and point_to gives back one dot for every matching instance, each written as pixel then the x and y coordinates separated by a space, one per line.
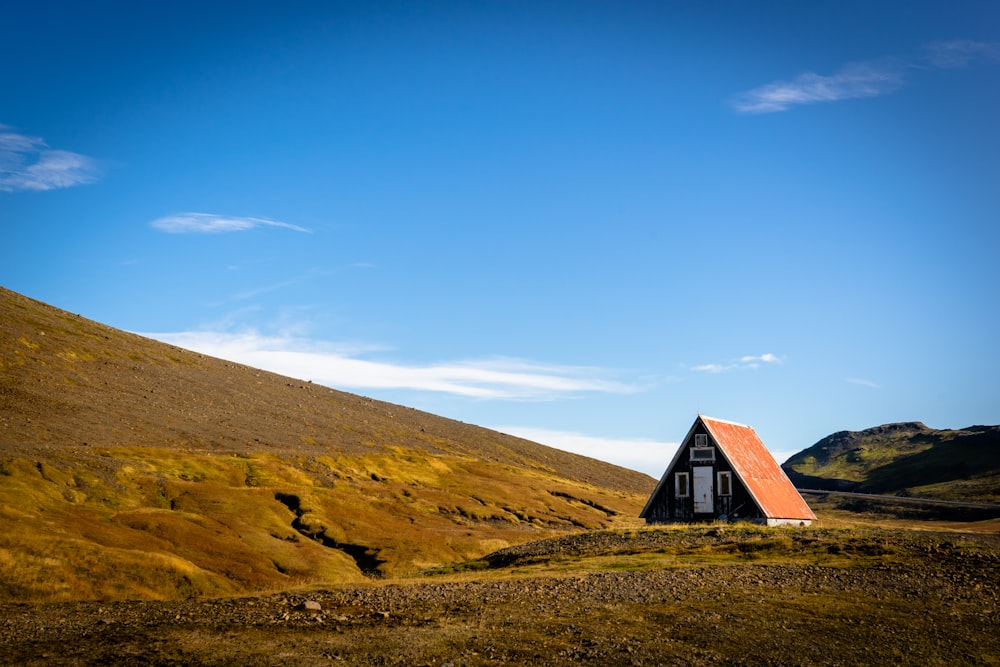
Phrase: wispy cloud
pixel 27 163
pixel 754 362
pixel 210 223
pixel 748 362
pixel 960 52
pixel 860 80
pixel 644 455
pixel 342 367
pixel 851 82
pixel 274 287
pixel 864 383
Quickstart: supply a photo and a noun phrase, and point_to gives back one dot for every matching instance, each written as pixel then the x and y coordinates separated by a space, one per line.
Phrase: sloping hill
pixel 133 468
pixel 904 459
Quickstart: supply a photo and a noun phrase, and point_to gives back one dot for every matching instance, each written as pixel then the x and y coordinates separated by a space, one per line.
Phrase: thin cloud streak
pixel 861 80
pixel 503 379
pixel 28 164
pixel 864 383
pixel 644 455
pixel 250 294
pixel 211 223
pixel 851 82
pixel 961 52
pixel 747 362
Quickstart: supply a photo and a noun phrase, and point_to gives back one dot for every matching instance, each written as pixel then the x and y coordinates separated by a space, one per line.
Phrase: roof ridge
pixel 725 421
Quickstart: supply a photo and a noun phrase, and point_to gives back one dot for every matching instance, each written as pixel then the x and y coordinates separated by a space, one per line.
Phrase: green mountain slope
pixel 131 468
pixel 904 459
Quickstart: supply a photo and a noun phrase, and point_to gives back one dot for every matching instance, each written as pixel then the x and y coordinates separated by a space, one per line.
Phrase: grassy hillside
pixel 904 459
pixel 130 468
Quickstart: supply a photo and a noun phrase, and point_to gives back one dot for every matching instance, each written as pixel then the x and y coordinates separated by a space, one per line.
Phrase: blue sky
pixel 580 222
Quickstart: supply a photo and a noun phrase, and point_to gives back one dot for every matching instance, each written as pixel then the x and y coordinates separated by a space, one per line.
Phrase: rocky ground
pixel 926 599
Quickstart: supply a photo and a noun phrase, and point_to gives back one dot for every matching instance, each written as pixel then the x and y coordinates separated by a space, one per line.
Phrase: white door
pixel 702 489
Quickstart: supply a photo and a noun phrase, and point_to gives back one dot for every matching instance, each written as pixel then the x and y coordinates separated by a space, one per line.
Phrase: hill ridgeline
pixel 907 459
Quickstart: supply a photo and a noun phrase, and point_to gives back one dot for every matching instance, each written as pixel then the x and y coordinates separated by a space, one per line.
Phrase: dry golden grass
pixel 129 468
pixel 167 524
pixel 691 595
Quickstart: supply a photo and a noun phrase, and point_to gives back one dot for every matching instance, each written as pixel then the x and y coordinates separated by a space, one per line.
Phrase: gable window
pixel 702 454
pixel 701 440
pixel 725 483
pixel 681 488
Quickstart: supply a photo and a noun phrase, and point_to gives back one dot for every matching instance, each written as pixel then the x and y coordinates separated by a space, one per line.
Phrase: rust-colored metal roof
pixel 757 469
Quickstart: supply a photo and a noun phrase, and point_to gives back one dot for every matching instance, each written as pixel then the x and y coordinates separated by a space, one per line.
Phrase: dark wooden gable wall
pixel 669 506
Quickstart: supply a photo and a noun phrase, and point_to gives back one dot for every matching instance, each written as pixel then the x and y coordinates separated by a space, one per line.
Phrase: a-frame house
pixel 723 472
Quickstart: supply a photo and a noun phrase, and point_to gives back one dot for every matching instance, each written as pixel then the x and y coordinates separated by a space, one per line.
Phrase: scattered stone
pixel 309 605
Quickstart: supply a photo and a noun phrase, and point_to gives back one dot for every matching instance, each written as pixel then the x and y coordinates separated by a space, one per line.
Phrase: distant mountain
pixel 904 459
pixel 132 468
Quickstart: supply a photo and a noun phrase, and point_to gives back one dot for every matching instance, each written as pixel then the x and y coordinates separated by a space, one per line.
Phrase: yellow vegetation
pixel 129 468
pixel 169 524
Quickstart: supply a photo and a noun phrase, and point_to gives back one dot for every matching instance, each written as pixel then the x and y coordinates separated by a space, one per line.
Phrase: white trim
pixel 678 476
pixel 701 459
pixel 728 475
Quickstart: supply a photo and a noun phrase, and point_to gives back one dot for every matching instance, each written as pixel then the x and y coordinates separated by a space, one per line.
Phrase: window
pixel 701 440
pixel 681 485
pixel 702 454
pixel 725 483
